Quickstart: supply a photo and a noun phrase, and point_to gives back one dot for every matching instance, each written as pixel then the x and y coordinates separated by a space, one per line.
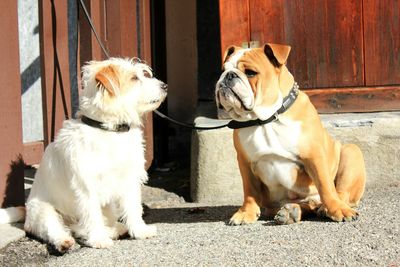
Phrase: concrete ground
pixel 196 235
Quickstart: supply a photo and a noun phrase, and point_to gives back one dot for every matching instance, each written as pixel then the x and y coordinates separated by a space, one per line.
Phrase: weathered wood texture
pixel 11 162
pixel 355 99
pixel 53 27
pixel 340 49
pixel 234 23
pixel 382 42
pixel 326 38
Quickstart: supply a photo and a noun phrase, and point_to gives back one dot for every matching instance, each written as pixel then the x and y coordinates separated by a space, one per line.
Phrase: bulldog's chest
pixel 273 151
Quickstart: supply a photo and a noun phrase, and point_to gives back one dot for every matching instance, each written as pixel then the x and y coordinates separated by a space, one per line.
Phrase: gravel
pixel 195 235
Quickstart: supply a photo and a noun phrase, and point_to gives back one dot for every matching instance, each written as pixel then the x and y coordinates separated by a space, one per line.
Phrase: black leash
pixel 287 101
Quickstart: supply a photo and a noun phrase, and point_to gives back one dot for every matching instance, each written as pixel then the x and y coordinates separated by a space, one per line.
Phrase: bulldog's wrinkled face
pixel 249 85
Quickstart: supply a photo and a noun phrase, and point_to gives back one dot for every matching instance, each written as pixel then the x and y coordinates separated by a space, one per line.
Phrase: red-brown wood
pixel 234 22
pixel 52 102
pixel 326 38
pixel 382 42
pixel 363 99
pixel 342 51
pixel 11 162
pixel 145 53
pixel 88 46
pixel 33 152
pixel 120 27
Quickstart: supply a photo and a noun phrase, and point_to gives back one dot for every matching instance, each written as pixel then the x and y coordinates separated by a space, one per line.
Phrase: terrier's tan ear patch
pixel 107 78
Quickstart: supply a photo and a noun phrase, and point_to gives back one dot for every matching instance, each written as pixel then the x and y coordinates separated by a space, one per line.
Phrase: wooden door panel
pixel 11 162
pixel 326 38
pixel 234 22
pixel 355 99
pixel 382 42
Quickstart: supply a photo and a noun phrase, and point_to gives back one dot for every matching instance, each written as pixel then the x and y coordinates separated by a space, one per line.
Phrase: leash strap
pixel 287 103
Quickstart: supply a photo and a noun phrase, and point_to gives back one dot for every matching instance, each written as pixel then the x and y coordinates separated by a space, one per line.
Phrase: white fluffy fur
pixel 90 178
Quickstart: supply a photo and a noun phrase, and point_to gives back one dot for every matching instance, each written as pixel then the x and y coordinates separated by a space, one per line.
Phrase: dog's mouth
pixel 237 97
pixel 229 98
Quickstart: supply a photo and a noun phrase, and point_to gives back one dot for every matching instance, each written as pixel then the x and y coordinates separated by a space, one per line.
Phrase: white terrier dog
pixel 90 177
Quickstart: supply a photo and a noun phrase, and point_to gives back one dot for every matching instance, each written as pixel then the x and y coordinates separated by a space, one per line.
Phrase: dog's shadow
pixel 189 215
pixel 207 214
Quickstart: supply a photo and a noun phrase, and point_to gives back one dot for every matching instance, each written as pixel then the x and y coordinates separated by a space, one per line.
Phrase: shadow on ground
pixel 190 215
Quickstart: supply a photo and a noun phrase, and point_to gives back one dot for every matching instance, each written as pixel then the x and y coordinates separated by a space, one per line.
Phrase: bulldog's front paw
pixel 244 217
pixel 288 214
pixel 338 213
pixel 143 231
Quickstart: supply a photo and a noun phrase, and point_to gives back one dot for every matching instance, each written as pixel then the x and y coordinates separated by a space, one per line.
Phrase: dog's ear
pixel 229 51
pixel 277 53
pixel 107 78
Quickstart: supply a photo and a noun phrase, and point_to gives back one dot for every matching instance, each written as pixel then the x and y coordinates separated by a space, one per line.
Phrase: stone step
pixel 215 176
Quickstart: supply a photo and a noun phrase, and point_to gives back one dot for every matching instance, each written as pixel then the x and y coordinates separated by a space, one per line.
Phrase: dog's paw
pixel 64 244
pixel 117 230
pixel 99 242
pixel 339 213
pixel 144 231
pixel 288 214
pixel 244 217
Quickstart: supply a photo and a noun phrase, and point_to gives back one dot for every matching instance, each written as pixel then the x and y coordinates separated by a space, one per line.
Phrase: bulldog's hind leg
pixel 350 178
pixel 43 221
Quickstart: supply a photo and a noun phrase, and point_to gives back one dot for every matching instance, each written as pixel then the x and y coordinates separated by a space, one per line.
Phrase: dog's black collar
pixel 287 103
pixel 123 127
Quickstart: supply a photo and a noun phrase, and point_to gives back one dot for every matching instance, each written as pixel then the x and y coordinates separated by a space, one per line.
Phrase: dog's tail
pixel 12 214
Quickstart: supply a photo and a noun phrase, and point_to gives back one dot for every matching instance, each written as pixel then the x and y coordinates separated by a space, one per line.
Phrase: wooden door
pixel 345 54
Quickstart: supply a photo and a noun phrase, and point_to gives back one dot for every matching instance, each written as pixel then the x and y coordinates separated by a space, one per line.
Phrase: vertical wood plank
pixel 11 163
pixel 326 38
pixel 234 23
pixel 53 20
pixel 144 52
pixel 382 42
pixel 88 46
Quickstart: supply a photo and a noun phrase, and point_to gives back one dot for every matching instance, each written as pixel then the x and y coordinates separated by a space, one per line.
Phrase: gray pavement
pixel 197 235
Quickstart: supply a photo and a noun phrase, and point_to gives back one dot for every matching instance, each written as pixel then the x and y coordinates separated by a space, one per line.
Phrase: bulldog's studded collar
pixel 123 127
pixel 287 103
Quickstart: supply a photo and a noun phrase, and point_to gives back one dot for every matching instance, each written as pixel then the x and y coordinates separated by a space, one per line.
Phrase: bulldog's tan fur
pixel 291 166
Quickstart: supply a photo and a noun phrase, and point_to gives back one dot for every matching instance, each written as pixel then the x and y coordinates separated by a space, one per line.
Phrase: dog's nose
pixel 231 75
pixel 164 86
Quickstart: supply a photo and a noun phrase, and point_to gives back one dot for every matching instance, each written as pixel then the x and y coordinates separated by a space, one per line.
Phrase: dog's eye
pixel 146 74
pixel 250 73
pixel 134 78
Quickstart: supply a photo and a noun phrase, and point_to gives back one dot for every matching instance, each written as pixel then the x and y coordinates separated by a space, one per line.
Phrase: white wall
pixel 32 118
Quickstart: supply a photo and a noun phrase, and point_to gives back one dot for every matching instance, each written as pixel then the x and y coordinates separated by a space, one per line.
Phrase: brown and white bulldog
pixel 288 162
